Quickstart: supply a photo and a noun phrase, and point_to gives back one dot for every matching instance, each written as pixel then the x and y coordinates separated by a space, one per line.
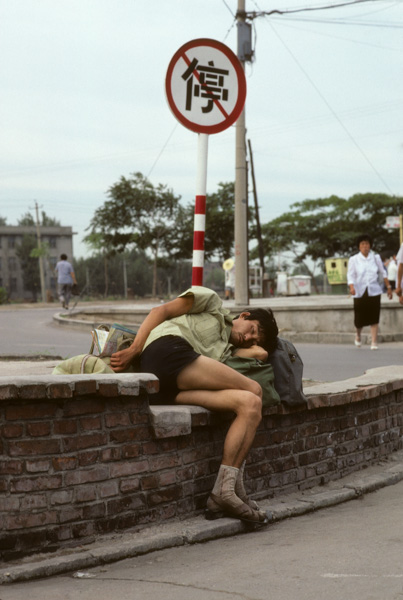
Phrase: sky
pixel 83 102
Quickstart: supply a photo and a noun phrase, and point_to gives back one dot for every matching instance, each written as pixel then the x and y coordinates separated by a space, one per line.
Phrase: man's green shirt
pixel 207 326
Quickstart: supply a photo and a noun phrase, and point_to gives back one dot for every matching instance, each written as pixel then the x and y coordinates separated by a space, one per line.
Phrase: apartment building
pixel 59 241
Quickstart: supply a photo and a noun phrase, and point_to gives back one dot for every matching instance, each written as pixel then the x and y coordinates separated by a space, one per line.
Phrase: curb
pixel 198 530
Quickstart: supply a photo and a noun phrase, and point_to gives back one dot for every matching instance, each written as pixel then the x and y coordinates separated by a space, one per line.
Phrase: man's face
pixel 244 333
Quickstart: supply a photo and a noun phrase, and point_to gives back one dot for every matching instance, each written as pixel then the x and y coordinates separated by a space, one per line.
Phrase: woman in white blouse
pixel 364 274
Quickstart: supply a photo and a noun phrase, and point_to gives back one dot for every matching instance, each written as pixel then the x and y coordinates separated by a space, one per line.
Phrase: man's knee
pixel 251 406
pixel 256 389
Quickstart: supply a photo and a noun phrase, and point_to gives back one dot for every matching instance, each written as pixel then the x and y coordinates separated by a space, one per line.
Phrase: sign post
pixel 206 91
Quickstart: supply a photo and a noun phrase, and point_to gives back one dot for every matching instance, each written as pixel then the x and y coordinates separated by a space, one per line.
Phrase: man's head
pixel 256 327
pixel 63 257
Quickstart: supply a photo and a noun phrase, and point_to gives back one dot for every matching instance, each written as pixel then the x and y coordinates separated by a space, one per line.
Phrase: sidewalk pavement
pixel 117 547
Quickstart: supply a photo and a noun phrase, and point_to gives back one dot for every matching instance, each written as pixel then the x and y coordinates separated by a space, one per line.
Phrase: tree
pixel 137 213
pixel 29 264
pixel 219 234
pixel 3 220
pixel 328 227
pixel 45 221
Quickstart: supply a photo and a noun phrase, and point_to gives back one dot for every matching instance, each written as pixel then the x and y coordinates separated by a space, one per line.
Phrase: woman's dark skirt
pixel 366 310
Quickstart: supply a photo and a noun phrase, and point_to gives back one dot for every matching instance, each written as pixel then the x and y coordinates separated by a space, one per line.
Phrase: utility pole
pixel 40 257
pixel 258 228
pixel 241 197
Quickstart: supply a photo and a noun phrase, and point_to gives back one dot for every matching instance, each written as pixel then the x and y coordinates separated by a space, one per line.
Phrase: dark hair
pixel 364 238
pixel 267 323
pixel 63 257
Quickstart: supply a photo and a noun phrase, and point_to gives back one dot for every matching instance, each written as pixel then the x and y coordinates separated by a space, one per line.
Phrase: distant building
pixel 59 240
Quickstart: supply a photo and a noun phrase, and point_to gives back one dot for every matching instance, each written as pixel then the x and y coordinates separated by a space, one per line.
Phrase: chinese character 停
pixel 205 82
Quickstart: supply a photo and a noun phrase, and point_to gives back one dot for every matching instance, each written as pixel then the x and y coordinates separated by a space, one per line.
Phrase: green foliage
pixel 137 213
pixel 44 221
pixel 3 295
pixel 3 220
pixel 174 276
pixel 42 251
pixel 327 227
pixel 29 264
pixel 219 235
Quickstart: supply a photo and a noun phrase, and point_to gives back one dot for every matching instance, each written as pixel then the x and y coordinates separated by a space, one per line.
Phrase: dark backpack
pixel 287 366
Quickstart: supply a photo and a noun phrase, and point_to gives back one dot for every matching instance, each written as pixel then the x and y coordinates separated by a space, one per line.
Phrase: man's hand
pixel 122 359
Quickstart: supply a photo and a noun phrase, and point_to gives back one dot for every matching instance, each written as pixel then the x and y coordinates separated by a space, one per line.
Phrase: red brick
pixel 99 473
pixel 149 482
pixel 128 468
pixel 165 495
pixel 131 451
pixel 109 488
pixel 60 390
pixel 85 493
pixel 64 463
pixel 82 388
pixel 38 429
pixel 66 427
pixel 83 406
pixel 8 392
pixel 111 390
pixel 24 411
pixel 124 435
pixel 71 444
pixel 35 484
pixel 12 430
pixel 33 502
pixel 110 454
pixel 37 466
pixel 34 447
pixel 25 521
pixel 28 392
pixel 88 458
pixel 61 497
pixel 129 485
pixel 91 423
pixel 117 419
pixel 11 467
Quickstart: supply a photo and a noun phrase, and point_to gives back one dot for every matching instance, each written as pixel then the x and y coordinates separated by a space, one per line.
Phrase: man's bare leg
pixel 213 385
pixel 246 403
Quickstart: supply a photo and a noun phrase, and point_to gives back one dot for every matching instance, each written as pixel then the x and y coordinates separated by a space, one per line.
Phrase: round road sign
pixel 205 86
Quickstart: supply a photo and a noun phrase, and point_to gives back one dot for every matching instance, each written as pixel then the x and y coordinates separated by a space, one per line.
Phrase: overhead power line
pixel 278 11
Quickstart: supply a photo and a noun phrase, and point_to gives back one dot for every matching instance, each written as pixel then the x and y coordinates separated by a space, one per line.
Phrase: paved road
pixel 31 331
pixel 353 550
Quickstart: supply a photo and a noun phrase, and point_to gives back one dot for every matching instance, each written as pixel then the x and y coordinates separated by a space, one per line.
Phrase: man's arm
pixel 159 314
pixel 252 352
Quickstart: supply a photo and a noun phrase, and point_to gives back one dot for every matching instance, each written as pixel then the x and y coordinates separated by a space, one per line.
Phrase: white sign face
pixel 205 86
pixel 392 222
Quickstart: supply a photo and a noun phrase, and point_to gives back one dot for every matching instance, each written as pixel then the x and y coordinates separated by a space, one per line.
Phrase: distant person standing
pixel 399 276
pixel 364 276
pixel 65 280
pixel 392 271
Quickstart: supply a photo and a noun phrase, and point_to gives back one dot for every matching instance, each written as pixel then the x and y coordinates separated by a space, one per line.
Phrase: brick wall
pixel 85 456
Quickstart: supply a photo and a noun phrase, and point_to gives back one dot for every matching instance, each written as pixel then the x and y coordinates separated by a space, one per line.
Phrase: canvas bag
pixel 260 372
pixel 288 368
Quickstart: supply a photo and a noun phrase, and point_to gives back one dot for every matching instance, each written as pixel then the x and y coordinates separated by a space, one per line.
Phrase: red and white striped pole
pixel 200 210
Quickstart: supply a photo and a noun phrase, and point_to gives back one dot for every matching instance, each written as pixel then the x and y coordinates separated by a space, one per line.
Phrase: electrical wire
pixel 327 103
pixel 277 11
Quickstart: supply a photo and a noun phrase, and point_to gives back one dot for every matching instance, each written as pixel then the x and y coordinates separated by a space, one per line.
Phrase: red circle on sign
pixel 228 118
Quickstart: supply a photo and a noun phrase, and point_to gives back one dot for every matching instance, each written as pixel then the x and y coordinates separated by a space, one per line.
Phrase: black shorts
pixel 165 358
